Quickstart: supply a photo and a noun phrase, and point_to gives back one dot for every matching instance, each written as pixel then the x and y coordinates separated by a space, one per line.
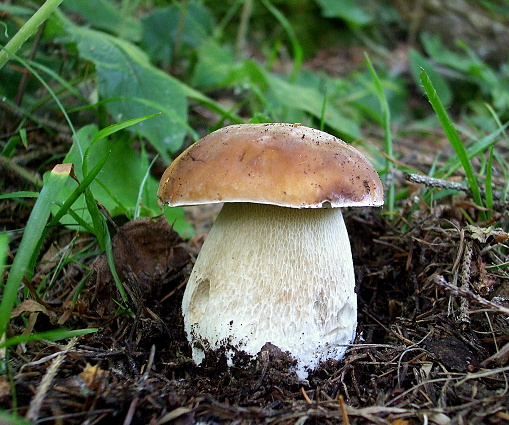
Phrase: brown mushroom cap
pixel 288 165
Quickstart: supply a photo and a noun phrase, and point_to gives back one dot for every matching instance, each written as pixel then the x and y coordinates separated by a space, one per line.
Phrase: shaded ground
pixel 432 339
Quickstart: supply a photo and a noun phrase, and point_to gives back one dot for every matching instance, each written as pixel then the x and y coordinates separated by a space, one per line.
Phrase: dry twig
pixel 440 281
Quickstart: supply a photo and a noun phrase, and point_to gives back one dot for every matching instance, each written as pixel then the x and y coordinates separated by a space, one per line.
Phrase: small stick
pixel 130 413
pixel 446 184
pixel 440 281
pixel 344 413
pixel 304 393
pixel 434 182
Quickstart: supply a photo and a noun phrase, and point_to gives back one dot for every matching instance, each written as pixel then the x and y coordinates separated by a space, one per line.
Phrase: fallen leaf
pixel 402 422
pixel 29 306
pixel 482 234
pixel 148 256
pixel 93 375
pixel 174 414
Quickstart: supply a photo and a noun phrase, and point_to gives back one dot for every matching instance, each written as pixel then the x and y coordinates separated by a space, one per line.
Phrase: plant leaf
pixel 164 28
pixel 34 229
pixel 124 72
pixel 310 100
pixel 348 10
pixel 419 62
pixel 110 18
pixel 53 335
pixel 453 137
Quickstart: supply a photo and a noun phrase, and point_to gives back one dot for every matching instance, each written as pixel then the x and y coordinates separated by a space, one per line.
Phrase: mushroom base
pixel 273 274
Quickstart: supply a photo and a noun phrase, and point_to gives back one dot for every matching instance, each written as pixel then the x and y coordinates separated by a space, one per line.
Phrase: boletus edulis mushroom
pixel 276 266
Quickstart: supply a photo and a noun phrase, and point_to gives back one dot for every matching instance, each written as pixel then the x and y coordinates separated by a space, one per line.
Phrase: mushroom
pixel 276 266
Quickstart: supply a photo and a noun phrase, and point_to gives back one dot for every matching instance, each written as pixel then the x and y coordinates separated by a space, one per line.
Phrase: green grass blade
pixel 79 190
pixel 324 107
pixel 489 175
pixel 104 239
pixel 20 194
pixel 30 241
pixel 67 205
pixel 27 65
pixel 388 145
pixel 28 29
pixel 4 244
pixel 108 249
pixel 103 236
pixel 111 129
pixel 453 164
pixel 9 418
pixel 298 53
pixel 454 139
pixel 137 208
pixel 53 335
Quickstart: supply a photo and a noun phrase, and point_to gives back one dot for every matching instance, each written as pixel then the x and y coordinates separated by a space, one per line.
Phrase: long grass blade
pixel 4 244
pixel 388 145
pixel 454 139
pixel 298 53
pixel 111 129
pixel 28 29
pixel 30 240
pixel 53 335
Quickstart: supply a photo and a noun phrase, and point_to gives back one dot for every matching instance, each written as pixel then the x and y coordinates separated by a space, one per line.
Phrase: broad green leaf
pixel 214 65
pixel 125 73
pixel 117 186
pixel 163 28
pixel 386 119
pixel 444 56
pixel 310 100
pixel 348 10
pixel 110 18
pixel 491 82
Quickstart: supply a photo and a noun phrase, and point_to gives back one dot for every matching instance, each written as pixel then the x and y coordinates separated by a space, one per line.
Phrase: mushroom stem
pixel 273 274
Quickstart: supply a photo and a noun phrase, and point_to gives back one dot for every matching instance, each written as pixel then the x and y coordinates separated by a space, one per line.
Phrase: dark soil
pixel 432 344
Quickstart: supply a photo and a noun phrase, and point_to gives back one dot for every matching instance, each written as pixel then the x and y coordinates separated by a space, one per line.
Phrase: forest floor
pixel 432 341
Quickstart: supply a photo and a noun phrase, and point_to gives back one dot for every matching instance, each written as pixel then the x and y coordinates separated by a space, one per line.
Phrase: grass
pixel 28 29
pixel 25 257
pixel 455 141
pixel 388 144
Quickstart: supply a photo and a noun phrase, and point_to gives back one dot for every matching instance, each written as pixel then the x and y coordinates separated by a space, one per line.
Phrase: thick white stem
pixel 273 274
